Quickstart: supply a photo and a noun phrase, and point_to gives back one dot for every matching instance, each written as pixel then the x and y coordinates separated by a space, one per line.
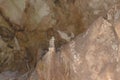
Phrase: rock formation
pixel 84 44
pixel 93 55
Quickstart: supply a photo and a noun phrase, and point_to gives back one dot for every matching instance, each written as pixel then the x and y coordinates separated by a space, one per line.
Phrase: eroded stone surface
pixel 27 25
pixel 93 55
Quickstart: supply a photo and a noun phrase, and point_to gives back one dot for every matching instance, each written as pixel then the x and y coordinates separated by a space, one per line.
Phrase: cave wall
pixel 27 25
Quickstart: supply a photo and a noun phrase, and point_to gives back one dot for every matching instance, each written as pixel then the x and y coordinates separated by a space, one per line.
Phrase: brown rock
pixel 93 55
pixel 29 24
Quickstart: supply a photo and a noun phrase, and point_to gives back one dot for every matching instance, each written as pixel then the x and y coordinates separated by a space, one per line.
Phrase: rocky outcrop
pixel 93 55
pixel 26 27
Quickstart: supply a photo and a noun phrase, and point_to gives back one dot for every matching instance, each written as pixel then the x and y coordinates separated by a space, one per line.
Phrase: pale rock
pixel 92 57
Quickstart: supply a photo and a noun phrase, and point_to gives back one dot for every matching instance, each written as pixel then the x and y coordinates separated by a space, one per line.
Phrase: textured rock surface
pixel 26 27
pixel 94 55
